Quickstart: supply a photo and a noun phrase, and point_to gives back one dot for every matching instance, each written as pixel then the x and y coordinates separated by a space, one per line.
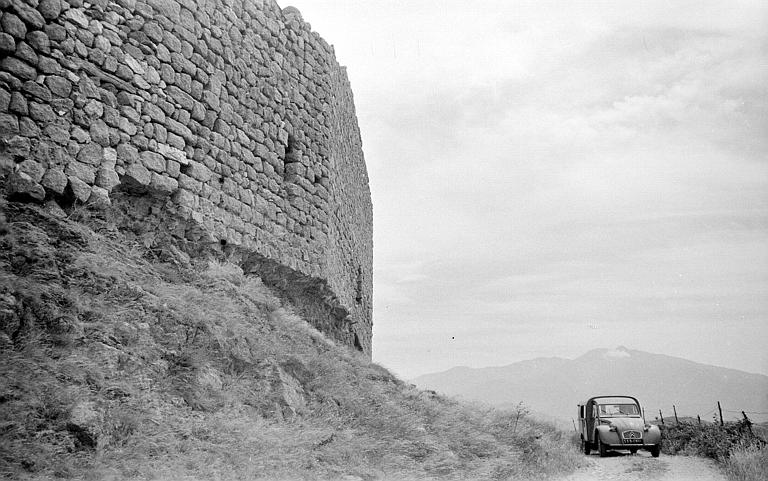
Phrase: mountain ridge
pixel 552 386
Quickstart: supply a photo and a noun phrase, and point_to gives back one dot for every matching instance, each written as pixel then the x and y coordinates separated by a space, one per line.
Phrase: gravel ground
pixel 642 466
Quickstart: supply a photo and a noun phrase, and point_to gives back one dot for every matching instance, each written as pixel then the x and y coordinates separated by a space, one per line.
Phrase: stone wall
pixel 229 114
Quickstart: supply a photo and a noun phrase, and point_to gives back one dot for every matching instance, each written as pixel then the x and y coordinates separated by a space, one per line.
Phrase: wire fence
pixel 716 439
pixel 720 415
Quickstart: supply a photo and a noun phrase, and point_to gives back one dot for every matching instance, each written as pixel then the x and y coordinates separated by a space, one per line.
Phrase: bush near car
pixel 710 440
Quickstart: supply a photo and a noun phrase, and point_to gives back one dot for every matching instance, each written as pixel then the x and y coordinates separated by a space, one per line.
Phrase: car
pixel 608 423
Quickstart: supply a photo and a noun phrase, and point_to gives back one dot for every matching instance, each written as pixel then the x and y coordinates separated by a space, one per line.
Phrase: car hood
pixel 623 424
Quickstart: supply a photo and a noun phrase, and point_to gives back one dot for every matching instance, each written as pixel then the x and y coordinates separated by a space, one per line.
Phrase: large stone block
pixel 107 178
pixel 84 172
pixel 136 175
pixel 55 180
pixel 153 161
pixel 9 125
pixel 31 17
pixel 39 42
pixel 77 17
pixel 162 184
pixel 17 147
pixel 58 85
pixel 33 169
pixel 99 198
pixel 7 44
pixel 100 133
pixel 18 68
pixel 198 171
pixel 18 104
pixel 127 154
pixel 20 185
pixel 172 153
pixel 49 9
pixel 92 153
pixel 168 8
pixel 79 188
pixel 13 26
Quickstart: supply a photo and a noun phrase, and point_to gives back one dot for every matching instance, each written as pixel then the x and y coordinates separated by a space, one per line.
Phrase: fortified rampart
pixel 231 115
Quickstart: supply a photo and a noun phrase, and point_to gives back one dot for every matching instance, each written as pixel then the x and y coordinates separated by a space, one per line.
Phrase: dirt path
pixel 642 466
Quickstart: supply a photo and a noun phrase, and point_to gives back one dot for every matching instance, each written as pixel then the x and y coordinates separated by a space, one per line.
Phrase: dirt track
pixel 641 466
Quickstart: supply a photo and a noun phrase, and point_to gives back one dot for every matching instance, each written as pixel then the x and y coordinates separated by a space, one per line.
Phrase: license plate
pixel 633 441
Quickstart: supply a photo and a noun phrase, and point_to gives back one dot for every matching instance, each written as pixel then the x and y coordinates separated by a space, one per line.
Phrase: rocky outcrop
pixel 231 118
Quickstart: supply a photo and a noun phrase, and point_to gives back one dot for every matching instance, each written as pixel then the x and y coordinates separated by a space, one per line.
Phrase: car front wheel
pixel 601 447
pixel 656 450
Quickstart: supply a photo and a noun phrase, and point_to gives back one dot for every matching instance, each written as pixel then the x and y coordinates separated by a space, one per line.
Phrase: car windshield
pixel 618 410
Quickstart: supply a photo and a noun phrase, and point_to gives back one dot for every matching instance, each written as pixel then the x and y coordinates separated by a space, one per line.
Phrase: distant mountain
pixel 554 386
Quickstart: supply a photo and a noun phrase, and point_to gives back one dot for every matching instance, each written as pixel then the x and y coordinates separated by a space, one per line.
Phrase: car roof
pixel 612 400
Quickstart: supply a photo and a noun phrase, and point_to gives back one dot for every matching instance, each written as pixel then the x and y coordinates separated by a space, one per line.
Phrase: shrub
pixel 710 440
pixel 747 462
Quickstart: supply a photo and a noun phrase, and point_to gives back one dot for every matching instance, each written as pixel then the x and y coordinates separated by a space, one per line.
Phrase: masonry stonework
pixel 232 115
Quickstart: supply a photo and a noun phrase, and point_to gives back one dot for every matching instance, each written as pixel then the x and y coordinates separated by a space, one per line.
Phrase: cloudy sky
pixel 553 177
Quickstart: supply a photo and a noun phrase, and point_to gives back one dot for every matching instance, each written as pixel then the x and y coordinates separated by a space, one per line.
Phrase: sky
pixel 554 177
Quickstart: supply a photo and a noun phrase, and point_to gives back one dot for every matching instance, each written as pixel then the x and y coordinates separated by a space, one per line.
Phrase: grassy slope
pixel 116 365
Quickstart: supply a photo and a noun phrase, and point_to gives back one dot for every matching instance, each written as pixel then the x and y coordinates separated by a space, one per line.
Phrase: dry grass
pixel 747 463
pixel 124 368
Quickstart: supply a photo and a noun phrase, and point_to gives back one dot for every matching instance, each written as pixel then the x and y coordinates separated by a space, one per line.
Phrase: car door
pixel 591 416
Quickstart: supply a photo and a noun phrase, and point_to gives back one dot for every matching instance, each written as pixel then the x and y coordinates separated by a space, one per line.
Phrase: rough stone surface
pixel 21 185
pixel 100 133
pixel 232 112
pixel 13 26
pixel 50 9
pixel 18 68
pixel 34 170
pixel 18 147
pixel 91 153
pixel 31 16
pixel 81 171
pixel 99 198
pixel 7 44
pixel 153 161
pixel 59 86
pixel 80 189
pixel 107 178
pixel 9 125
pixel 138 175
pixel 163 185
pixel 55 181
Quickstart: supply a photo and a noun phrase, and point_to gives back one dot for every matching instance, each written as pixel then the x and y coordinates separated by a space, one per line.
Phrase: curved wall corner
pixel 231 113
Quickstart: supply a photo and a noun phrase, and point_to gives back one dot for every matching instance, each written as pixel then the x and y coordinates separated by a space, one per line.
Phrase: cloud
pixel 547 175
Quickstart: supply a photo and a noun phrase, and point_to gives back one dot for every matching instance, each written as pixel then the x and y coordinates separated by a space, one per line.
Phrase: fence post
pixel 677 421
pixel 699 418
pixel 574 425
pixel 661 416
pixel 748 423
pixel 720 409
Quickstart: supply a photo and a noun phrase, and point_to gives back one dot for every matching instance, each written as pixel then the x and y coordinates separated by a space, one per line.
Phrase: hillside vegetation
pixel 739 447
pixel 122 359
